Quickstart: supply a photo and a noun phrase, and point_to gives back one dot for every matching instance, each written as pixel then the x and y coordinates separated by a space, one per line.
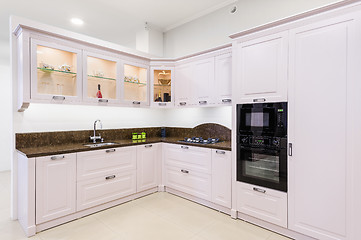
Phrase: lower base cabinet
pixel 263 203
pixel 221 178
pixel 148 166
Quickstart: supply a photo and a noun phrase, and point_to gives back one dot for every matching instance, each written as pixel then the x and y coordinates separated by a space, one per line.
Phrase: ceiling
pixel 111 20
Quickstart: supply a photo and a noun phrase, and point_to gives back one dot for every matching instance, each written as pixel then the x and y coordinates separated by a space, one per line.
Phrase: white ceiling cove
pixel 111 20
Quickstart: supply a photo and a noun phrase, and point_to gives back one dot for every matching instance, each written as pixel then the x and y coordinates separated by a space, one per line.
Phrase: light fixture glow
pixel 77 21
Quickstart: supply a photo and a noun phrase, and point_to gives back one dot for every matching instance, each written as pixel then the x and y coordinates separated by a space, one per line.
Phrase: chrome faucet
pixel 94 137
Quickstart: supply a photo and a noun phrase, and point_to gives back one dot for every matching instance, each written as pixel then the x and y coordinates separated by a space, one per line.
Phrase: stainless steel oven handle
pixel 290 149
pixel 259 190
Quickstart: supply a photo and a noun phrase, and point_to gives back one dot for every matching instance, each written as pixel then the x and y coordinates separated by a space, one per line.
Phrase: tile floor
pixel 158 216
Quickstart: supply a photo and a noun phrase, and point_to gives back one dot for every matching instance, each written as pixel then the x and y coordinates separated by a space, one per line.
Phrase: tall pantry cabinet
pixel 323 82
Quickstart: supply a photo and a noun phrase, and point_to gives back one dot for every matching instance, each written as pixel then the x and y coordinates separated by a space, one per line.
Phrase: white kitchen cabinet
pixel 221 178
pixel 162 86
pixel 324 59
pixel 105 175
pixel 203 81
pixel 222 92
pixel 263 203
pixel 148 166
pixel 56 71
pixel 261 69
pixel 101 73
pixel 183 85
pixel 55 187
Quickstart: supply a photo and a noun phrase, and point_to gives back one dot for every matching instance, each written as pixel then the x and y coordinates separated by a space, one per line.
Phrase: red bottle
pixel 99 93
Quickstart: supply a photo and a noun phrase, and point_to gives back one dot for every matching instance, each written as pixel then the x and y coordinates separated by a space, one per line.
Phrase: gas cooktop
pixel 200 140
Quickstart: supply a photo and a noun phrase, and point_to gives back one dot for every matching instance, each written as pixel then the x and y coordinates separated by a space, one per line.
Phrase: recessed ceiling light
pixel 77 21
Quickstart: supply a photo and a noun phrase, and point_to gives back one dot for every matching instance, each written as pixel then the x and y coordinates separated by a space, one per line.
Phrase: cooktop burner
pixel 200 140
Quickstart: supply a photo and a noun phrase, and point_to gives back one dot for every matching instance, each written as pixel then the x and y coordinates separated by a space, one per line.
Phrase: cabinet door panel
pixel 221 177
pixel 183 91
pixel 148 159
pixel 223 79
pixel 55 187
pixel 203 81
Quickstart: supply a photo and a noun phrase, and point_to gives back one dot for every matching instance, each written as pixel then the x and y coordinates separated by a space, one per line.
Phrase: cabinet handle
pixel 57 157
pixel 110 150
pixel 259 190
pixel 259 100
pixel 59 98
pixel 220 152
pixel 290 149
pixel 148 146
pixel 102 100
pixel 110 177
pixel 202 102
pixel 162 104
pixel 136 103
pixel 184 171
pixel 184 147
pixel 182 103
pixel 226 100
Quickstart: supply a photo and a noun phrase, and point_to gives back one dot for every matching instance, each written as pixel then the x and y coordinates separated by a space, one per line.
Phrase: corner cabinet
pixel 261 69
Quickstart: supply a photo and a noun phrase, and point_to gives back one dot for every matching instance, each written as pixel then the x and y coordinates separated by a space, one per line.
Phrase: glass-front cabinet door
pixel 55 72
pixel 135 87
pixel 162 86
pixel 101 78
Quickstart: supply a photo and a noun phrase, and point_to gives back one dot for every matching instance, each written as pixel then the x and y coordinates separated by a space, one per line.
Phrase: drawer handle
pixel 102 100
pixel 202 102
pixel 182 103
pixel 57 157
pixel 184 147
pixel 220 152
pixel 136 103
pixel 259 100
pixel 110 177
pixel 226 100
pixel 162 104
pixel 259 190
pixel 110 150
pixel 184 171
pixel 59 98
pixel 148 146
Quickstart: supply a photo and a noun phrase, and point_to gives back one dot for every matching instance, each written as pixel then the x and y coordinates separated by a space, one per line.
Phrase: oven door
pixel 262 167
pixel 257 118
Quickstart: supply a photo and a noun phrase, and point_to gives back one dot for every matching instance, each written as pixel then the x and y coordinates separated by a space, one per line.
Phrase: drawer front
pixel 100 190
pixel 188 157
pixel 105 162
pixel 263 203
pixel 187 181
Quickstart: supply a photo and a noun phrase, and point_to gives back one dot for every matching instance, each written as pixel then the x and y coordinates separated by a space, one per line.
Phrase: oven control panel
pixel 262 141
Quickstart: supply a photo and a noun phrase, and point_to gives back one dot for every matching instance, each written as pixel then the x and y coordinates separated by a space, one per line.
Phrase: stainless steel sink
pixel 99 144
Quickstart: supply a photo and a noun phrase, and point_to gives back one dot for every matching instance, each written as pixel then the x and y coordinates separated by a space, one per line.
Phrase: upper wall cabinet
pixel 261 69
pixel 203 81
pixel 55 72
pixel 162 82
pixel 183 76
pixel 223 79
pixel 135 84
pixel 101 78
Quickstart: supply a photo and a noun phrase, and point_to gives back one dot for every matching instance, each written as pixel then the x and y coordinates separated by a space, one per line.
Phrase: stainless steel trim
pixel 136 102
pixel 259 100
pixel 110 177
pixel 202 102
pixel 290 149
pixel 102 100
pixel 59 98
pixel 182 103
pixel 184 147
pixel 184 171
pixel 220 152
pixel 259 190
pixel 227 100
pixel 57 157
pixel 110 150
pixel 148 146
pixel 162 104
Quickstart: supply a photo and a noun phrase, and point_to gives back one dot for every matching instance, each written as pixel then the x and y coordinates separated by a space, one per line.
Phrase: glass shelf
pixel 142 84
pixel 105 78
pixel 48 70
pixel 161 85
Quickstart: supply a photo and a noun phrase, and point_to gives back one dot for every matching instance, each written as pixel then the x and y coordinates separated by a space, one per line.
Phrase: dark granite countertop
pixel 40 151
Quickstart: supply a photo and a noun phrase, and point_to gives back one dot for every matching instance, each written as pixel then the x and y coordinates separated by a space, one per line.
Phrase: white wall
pixel 213 29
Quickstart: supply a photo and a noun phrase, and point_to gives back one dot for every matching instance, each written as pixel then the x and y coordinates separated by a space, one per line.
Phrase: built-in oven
pixel 262 144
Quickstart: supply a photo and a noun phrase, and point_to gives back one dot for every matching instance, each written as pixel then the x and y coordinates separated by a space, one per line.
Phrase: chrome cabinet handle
pixel 184 147
pixel 220 152
pixel 162 104
pixel 227 100
pixel 110 177
pixel 57 157
pixel 290 149
pixel 182 103
pixel 136 102
pixel 259 100
pixel 110 150
pixel 184 171
pixel 148 146
pixel 202 102
pixel 259 190
pixel 59 98
pixel 102 100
